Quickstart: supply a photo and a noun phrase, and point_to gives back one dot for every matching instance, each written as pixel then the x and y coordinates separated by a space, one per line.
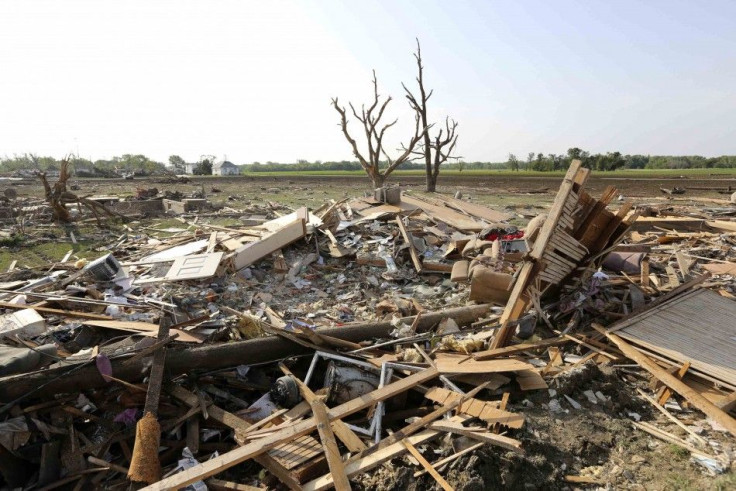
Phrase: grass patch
pixel 678 452
pixel 678 482
pixel 725 482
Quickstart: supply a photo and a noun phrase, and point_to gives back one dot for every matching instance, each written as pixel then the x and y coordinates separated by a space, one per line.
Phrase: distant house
pixel 225 168
pixel 189 168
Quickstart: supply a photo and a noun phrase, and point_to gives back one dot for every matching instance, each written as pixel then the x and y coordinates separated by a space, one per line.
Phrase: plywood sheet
pixel 446 215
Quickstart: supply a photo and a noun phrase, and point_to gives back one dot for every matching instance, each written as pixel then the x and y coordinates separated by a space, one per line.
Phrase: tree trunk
pixel 431 182
pixel 378 180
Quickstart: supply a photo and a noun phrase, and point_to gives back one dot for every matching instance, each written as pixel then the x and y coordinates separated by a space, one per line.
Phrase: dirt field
pixel 494 190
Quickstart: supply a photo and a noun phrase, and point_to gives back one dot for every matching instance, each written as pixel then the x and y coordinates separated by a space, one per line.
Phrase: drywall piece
pixel 26 323
pixel 194 267
pixel 174 252
pixel 312 221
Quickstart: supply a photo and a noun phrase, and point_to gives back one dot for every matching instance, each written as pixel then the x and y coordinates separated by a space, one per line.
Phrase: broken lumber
pixel 257 447
pixel 369 462
pixel 183 360
pixel 672 382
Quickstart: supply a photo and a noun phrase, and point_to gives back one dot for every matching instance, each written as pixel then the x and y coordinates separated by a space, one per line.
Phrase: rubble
pixel 426 334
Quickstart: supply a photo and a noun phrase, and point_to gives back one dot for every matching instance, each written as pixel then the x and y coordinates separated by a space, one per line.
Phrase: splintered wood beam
pixel 480 435
pixel 409 242
pixel 258 447
pixel 672 382
pixel 239 426
pixel 518 300
pixel 422 422
pixel 518 348
pixel 334 459
pixel 427 466
pixel 339 427
pixel 61 312
pixel 664 395
pixel 369 462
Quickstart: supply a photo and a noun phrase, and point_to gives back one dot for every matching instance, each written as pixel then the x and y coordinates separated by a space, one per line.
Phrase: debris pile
pixel 426 339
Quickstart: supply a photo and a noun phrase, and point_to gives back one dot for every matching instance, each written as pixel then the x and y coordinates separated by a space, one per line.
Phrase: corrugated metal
pixel 699 327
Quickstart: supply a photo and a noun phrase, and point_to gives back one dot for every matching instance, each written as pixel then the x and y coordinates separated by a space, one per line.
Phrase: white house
pixel 225 168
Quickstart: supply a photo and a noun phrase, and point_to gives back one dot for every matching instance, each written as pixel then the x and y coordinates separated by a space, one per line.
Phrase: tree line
pixel 136 163
pixel 611 161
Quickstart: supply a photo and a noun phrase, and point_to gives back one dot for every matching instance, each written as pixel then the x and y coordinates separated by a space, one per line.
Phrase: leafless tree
pixel 58 197
pixel 374 134
pixel 433 150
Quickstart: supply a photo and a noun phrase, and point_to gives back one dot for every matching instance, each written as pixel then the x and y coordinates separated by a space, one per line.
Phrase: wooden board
pixel 288 433
pixel 474 209
pixel 478 434
pixel 721 268
pixel 143 328
pixel 445 215
pixel 252 252
pixel 450 365
pixel 697 327
pixel 371 461
pixel 488 411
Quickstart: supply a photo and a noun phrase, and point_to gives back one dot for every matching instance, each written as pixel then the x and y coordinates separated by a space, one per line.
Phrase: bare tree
pixel 435 151
pixel 374 133
pixel 58 197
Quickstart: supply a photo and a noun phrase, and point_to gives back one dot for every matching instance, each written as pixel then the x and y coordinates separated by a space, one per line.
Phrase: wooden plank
pixel 452 365
pixel 530 380
pixel 253 251
pixel 239 426
pixel 487 411
pixel 143 328
pixel 371 461
pixel 721 268
pixel 517 301
pixel 673 382
pixel 48 310
pixel 220 485
pixel 427 466
pixel 252 449
pixel 446 215
pixel 666 392
pixel 669 416
pixel 474 209
pixel 334 459
pixel 408 239
pixel 339 427
pixel 419 423
pixel 438 465
pixel 478 434
pixel 728 402
pixel 519 348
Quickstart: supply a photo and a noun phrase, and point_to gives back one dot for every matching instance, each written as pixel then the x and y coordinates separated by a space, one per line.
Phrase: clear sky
pixel 252 80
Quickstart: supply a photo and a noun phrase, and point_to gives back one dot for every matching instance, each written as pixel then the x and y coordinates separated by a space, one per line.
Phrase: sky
pixel 253 80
